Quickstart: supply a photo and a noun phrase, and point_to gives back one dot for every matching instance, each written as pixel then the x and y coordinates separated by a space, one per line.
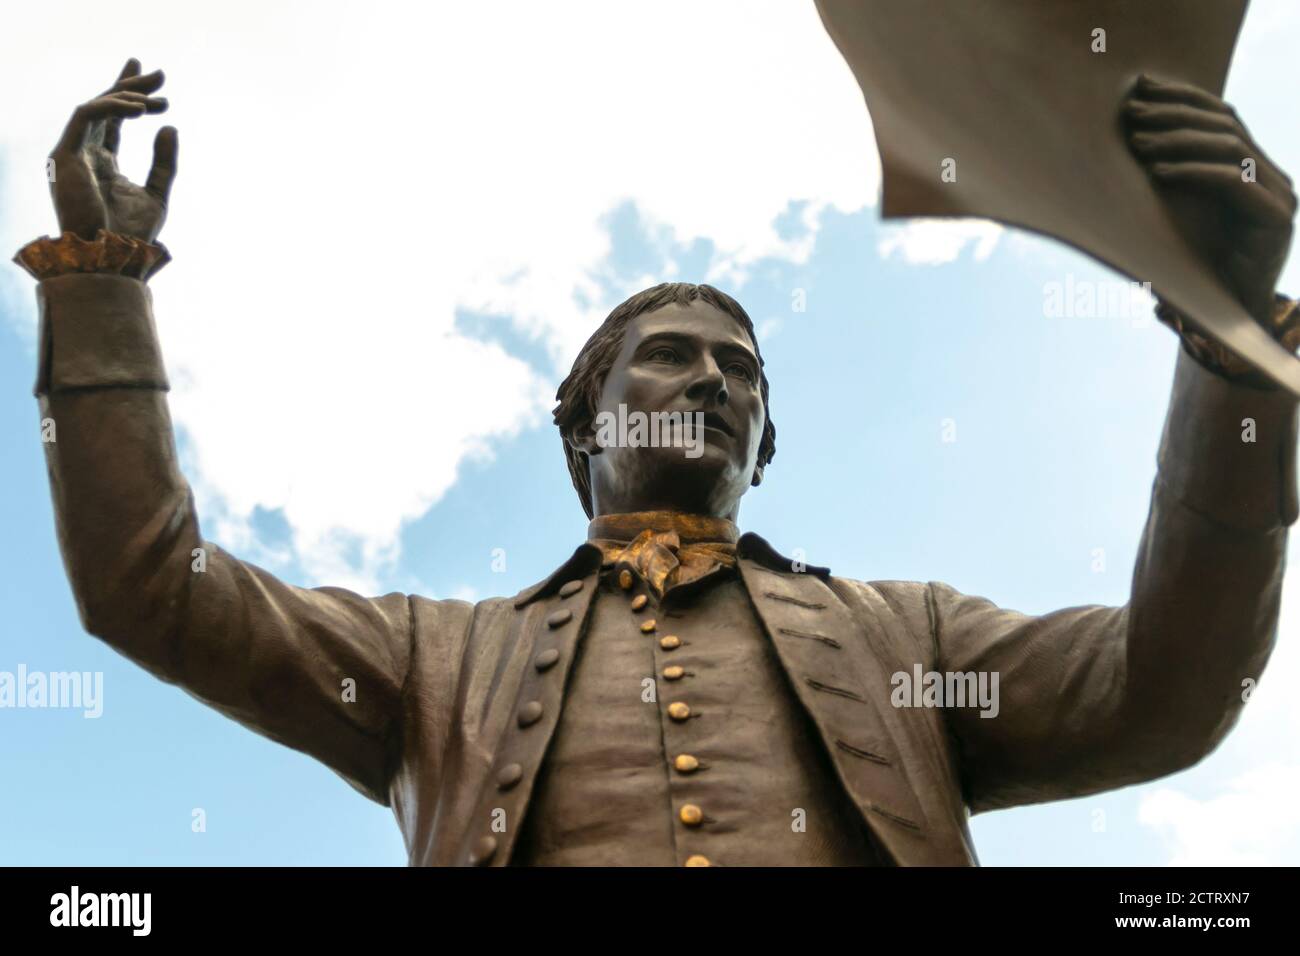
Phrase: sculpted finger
pixel 151 104
pixel 87 115
pixel 165 147
pixel 113 128
pixel 147 83
pixel 1224 180
pixel 132 68
pixel 1189 145
pixel 1150 115
pixel 1173 91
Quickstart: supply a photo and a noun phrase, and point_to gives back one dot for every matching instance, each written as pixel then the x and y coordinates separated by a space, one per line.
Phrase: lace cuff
pixel 1285 328
pixel 108 252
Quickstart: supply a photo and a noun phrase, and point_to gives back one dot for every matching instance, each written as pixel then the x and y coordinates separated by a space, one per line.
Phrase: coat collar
pixel 586 560
pixel 755 548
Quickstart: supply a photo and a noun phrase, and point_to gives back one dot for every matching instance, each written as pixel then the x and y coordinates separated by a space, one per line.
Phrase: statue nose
pixel 710 385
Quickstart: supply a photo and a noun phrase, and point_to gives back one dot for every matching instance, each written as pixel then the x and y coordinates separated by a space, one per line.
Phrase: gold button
pixel 697 860
pixel 691 815
pixel 685 763
pixel 647 627
pixel 670 642
pixel 673 671
pixel 625 579
pixel 639 602
pixel 678 710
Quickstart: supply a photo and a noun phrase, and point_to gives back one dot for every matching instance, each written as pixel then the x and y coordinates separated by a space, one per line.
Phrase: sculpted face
pixel 681 359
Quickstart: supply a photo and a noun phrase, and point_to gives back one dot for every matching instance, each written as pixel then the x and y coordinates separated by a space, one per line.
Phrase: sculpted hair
pixel 579 393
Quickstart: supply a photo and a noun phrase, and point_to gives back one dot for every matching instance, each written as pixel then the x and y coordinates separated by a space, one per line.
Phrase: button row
pixel 690 814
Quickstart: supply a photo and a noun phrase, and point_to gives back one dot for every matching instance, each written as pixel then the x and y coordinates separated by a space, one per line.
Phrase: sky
pixel 393 227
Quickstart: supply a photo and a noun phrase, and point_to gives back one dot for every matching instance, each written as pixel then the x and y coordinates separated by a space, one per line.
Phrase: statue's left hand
pixel 1193 144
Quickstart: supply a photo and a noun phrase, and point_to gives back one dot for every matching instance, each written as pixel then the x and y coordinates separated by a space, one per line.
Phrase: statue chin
pixel 667 479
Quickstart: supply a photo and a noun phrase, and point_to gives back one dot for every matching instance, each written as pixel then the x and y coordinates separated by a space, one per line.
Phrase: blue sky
pixel 1057 426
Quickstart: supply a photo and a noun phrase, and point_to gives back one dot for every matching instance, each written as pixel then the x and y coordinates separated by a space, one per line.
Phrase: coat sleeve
pixel 320 670
pixel 1093 698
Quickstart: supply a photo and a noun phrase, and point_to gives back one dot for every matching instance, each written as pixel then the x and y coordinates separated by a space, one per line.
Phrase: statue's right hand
pixel 89 193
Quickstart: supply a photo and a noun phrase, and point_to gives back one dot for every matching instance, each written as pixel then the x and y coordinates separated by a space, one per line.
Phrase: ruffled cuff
pixel 1285 328
pixel 108 252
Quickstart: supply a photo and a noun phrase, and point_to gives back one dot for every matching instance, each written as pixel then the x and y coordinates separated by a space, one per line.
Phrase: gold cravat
pixel 665 549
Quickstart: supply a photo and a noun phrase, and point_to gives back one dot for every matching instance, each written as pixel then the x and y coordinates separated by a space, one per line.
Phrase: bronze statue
pixel 675 692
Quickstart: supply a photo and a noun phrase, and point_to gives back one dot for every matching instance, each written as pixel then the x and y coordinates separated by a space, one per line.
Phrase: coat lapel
pixel 844 685
pixel 550 621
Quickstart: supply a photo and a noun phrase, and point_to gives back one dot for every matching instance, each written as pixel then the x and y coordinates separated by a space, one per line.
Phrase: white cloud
pixel 765 329
pixel 935 242
pixel 1253 823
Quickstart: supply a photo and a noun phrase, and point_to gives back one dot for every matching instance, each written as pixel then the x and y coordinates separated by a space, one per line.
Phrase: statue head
pixel 665 362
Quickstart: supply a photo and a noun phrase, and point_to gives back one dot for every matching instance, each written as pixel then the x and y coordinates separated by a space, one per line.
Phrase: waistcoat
pixel 681 742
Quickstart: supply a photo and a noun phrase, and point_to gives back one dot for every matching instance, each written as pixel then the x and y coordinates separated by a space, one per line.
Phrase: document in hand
pixel 1010 110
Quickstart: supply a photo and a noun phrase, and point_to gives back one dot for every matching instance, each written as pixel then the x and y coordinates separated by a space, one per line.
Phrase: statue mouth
pixel 715 421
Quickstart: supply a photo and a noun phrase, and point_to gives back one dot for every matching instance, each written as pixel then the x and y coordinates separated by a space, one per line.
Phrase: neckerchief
pixel 665 549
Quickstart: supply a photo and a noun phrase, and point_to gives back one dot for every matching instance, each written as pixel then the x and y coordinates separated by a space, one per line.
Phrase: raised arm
pixel 1093 698
pixel 320 670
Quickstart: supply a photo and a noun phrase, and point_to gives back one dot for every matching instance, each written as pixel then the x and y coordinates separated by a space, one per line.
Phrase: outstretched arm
pixel 320 670
pixel 1093 698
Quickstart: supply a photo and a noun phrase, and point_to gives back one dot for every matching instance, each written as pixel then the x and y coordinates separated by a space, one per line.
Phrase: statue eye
pixel 741 369
pixel 662 354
